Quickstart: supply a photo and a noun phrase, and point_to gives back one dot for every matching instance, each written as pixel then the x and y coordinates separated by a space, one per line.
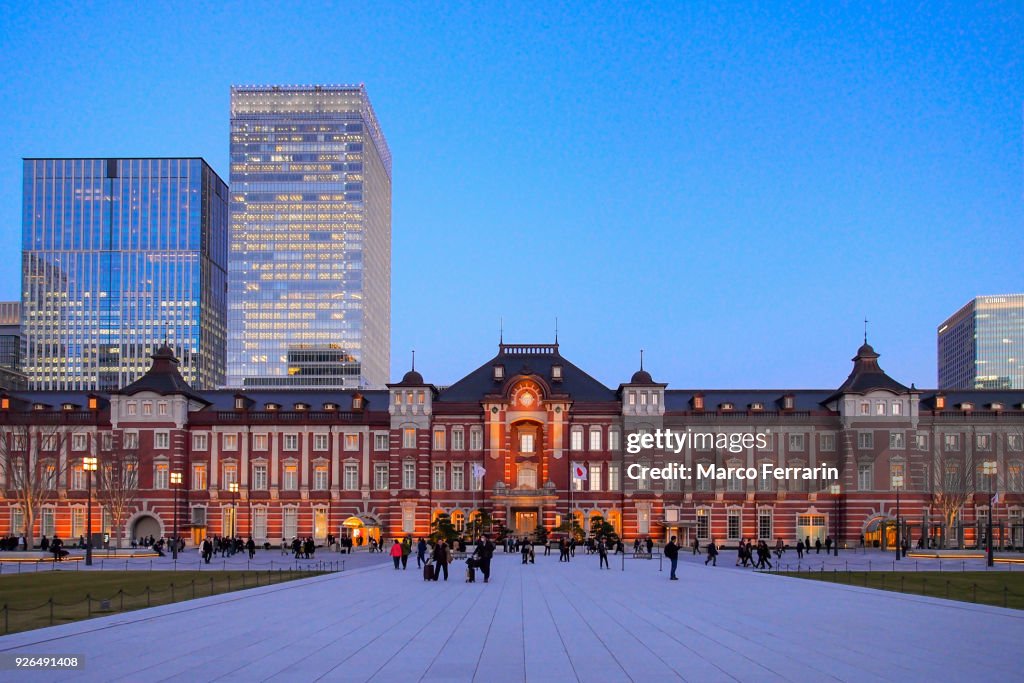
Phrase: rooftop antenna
pixel 556 329
pixel 865 329
pixel 641 359
pixel 501 330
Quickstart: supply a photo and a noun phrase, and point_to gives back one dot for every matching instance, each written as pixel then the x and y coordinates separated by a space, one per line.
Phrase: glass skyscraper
pixel 119 255
pixel 310 261
pixel 981 346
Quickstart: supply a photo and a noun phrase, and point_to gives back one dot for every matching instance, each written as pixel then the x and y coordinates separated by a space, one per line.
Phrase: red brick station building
pixel 385 462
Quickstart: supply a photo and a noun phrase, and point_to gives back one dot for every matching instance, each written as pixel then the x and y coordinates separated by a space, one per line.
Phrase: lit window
pixel 594 477
pixel 577 439
pixel 161 478
pixel 439 439
pixel 198 477
pixel 291 477
pixel 351 442
pixel 320 478
pixel 595 438
pixel 409 437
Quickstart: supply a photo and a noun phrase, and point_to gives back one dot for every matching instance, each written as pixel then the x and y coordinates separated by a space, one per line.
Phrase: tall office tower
pixel 309 281
pixel 981 346
pixel 119 255
pixel 11 376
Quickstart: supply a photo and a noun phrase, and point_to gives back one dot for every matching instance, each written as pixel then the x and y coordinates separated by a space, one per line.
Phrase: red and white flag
pixel 579 471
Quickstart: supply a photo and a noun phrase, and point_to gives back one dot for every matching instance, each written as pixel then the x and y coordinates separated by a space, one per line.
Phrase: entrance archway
pixel 145 526
pixel 361 530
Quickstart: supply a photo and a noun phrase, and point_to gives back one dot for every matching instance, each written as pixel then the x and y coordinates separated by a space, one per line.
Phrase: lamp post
pixel 233 487
pixel 897 483
pixel 989 469
pixel 835 515
pixel 175 483
pixel 88 466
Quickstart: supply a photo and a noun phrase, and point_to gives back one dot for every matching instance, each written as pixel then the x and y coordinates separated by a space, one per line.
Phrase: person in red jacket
pixel 396 553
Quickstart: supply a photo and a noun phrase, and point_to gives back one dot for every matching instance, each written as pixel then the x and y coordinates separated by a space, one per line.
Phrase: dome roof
pixel 412 377
pixel 641 377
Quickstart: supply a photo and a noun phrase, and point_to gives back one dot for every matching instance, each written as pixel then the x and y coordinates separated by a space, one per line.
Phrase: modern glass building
pixel 981 346
pixel 119 255
pixel 310 261
pixel 11 376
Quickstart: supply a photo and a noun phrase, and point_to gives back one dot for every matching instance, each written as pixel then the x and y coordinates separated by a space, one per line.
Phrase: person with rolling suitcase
pixel 428 570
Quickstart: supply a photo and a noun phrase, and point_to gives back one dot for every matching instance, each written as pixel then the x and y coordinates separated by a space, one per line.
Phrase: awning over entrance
pixel 875 523
pixel 359 522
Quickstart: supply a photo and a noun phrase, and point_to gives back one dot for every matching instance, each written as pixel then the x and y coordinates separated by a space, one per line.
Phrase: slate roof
pixel 981 398
pixel 162 377
pixel 518 359
pixel 867 375
pixel 224 399
pixel 803 399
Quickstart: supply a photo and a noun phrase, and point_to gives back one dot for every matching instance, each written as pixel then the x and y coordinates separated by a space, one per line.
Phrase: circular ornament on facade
pixel 558 409
pixel 526 399
pixel 494 409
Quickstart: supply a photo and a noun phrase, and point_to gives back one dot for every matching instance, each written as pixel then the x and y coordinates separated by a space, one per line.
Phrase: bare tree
pixel 34 466
pixel 949 489
pixel 117 486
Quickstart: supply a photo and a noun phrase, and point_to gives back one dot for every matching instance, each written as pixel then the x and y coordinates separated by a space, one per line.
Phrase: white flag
pixel 579 471
pixel 479 471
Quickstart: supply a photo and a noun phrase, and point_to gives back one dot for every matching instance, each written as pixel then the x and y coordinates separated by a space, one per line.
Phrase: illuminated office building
pixel 981 346
pixel 118 256
pixel 11 376
pixel 310 258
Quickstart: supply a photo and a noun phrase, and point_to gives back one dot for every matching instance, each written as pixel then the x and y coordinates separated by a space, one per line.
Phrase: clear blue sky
pixel 732 187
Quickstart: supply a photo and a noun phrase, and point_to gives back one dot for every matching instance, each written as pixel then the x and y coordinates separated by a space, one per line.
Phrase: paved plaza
pixel 545 622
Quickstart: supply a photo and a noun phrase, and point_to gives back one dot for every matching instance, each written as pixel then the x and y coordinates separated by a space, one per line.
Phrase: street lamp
pixel 175 483
pixel 897 483
pixel 88 466
pixel 233 487
pixel 834 489
pixel 989 469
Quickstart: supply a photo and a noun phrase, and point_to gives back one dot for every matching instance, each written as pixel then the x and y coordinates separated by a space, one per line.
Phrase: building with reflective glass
pixel 981 346
pixel 119 255
pixel 309 276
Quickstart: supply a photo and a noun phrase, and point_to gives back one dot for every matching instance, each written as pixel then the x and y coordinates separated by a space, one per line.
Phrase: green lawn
pixel 999 588
pixel 30 601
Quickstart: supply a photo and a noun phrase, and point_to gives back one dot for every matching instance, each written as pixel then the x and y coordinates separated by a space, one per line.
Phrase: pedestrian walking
pixel 712 554
pixel 672 553
pixel 602 551
pixel 421 553
pixel 396 554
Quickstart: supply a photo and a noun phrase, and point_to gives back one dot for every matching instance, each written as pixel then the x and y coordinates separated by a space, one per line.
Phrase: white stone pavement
pixel 543 622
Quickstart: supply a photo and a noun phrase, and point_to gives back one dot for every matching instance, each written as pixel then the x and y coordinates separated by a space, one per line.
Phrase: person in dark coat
pixel 207 550
pixel 817 546
pixel 712 554
pixel 602 551
pixel 251 547
pixel 421 553
pixel 483 553
pixel 672 553
pixel 800 549
pixel 441 559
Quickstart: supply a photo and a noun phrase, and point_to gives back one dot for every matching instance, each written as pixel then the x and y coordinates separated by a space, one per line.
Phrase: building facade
pixel 506 440
pixel 981 346
pixel 310 263
pixel 11 376
pixel 118 255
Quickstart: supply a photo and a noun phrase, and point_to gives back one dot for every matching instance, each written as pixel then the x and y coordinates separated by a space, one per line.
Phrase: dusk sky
pixel 732 187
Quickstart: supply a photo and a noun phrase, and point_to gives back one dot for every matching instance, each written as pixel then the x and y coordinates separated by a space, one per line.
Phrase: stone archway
pixel 145 524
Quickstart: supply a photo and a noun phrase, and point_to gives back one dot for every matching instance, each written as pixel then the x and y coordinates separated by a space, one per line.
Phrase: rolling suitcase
pixel 428 572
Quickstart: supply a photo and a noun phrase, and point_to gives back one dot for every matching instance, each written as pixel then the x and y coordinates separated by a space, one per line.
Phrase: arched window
pixel 459 520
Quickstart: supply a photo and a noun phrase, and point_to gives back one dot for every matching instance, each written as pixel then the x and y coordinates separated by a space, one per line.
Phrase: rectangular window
pixel 614 484
pixel 198 517
pixel 199 442
pixel 865 440
pixel 458 440
pixel 380 476
pixel 953 483
pixel 896 440
pixel 764 483
pixel 476 439
pixel 828 442
pixel 291 442
pixel 161 440
pixel 198 477
pixel 147 408
pixel 672 484
pixel 46 521
pixel 458 477
pixel 290 519
pixel 476 476
pixel 796 442
pixel 161 476
pixel 409 475
pixel 162 408
pixel 577 440
pixel 320 442
pixel 1015 477
pixel 594 477
pixel 409 437
pixel 983 442
pixel 733 484
pixel 865 477
pixel 78 478
pixel 764 524
pixel 351 442
pixel 131 440
pixel 703 484
pixel 291 478
pixel 79 442
pixel 880 408
pixel 351 472
pixel 1015 442
pixel 897 408
pixel 438 439
pixel 231 442
pixel 133 409
pixel 77 523
pixel 703 524
pixel 259 477
pixel 733 525
pixel 952 442
pixel 260 442
pixel 921 442
pixel 438 477
pixel 577 484
pixel 380 442
pixel 613 439
pixel 259 522
pixel 643 520
pixel 526 443
pixel 595 439
pixel 320 478
pixel 107 441
pixel 409 520
pixel 896 469
pixel 230 475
